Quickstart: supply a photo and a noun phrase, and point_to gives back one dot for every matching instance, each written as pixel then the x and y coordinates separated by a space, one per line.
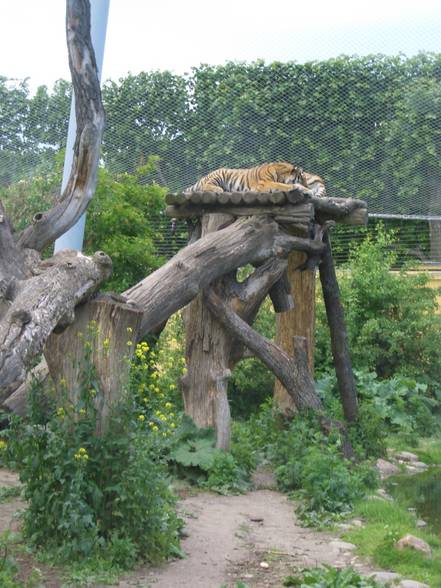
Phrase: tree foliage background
pixel 370 125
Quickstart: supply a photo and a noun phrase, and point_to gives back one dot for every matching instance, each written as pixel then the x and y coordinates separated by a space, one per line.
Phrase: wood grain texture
pixel 110 328
pixel 296 322
pixel 43 302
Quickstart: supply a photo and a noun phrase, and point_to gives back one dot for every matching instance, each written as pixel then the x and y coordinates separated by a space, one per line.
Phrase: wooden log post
pixel 338 332
pixel 296 322
pixel 106 331
pixel 207 355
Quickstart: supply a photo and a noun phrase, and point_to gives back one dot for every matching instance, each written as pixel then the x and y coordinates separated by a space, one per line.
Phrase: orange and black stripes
pixel 268 177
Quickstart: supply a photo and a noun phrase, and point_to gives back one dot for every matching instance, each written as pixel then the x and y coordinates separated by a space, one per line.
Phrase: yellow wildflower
pixel 141 418
pixel 81 454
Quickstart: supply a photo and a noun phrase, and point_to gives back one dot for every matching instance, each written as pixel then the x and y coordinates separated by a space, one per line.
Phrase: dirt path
pixel 228 538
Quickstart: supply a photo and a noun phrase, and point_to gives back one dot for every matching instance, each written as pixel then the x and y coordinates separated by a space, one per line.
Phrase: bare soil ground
pixel 228 538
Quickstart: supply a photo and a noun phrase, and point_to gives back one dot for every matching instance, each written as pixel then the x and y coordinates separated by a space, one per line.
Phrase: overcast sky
pixel 177 35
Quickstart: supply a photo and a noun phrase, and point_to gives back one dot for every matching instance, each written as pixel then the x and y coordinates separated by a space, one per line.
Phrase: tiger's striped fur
pixel 268 177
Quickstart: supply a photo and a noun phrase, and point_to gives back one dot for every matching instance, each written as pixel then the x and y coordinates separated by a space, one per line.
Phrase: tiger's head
pixel 286 173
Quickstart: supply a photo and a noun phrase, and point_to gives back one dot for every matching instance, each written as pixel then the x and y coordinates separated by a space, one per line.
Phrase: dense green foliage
pixel 125 218
pixel 108 493
pixel 391 318
pixel 312 465
pixel 369 125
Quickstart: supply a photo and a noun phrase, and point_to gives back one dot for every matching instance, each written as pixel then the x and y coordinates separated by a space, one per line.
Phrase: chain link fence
pixel 369 125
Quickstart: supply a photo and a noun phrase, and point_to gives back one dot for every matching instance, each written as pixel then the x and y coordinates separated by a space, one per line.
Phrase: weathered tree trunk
pixel 37 297
pixel 251 240
pixel 298 322
pixel 207 354
pixel 293 372
pixel 211 352
pixel 69 278
pixel 42 303
pixel 339 336
pixel 105 331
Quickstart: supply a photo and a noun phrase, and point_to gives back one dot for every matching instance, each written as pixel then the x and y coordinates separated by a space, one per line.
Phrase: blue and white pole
pixel 99 12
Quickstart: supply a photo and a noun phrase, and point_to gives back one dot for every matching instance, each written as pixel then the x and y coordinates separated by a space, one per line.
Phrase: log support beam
pixel 338 333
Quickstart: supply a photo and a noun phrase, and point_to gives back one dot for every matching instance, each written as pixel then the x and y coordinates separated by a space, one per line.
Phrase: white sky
pixel 177 35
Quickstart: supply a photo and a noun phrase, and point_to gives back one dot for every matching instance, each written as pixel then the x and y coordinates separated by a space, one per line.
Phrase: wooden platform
pixel 297 206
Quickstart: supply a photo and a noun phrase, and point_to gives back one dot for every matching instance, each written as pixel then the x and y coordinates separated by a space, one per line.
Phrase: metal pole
pixel 99 12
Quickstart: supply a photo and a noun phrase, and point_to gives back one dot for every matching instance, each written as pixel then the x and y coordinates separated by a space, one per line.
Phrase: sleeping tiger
pixel 268 177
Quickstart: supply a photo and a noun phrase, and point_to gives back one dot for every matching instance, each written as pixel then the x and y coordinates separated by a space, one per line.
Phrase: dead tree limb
pixel 252 240
pixel 292 372
pixel 35 297
pixel 47 226
pixel 42 303
pixel 339 336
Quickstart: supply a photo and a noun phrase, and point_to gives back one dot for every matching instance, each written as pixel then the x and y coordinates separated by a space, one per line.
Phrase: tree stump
pixel 108 330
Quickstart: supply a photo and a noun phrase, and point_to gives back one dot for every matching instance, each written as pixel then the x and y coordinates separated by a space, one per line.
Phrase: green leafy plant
pixel 195 458
pixel 403 404
pixel 108 495
pixel 392 324
pixel 330 577
pixel 119 222
pixel 226 476
pixel 312 465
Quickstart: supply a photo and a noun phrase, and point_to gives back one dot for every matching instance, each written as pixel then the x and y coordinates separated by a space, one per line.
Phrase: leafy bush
pixel 404 405
pixel 226 476
pixel 397 405
pixel 119 222
pixel 330 485
pixel 90 494
pixel 312 465
pixel 195 458
pixel 330 577
pixel 391 320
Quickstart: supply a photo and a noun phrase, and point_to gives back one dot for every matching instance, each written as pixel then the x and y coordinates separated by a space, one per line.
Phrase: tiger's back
pixel 267 177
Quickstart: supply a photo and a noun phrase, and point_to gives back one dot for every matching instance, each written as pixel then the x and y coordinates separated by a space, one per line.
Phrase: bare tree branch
pixel 47 226
pixel 252 240
pixel 292 372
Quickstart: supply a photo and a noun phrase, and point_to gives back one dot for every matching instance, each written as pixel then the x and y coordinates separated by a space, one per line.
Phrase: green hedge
pixel 370 125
